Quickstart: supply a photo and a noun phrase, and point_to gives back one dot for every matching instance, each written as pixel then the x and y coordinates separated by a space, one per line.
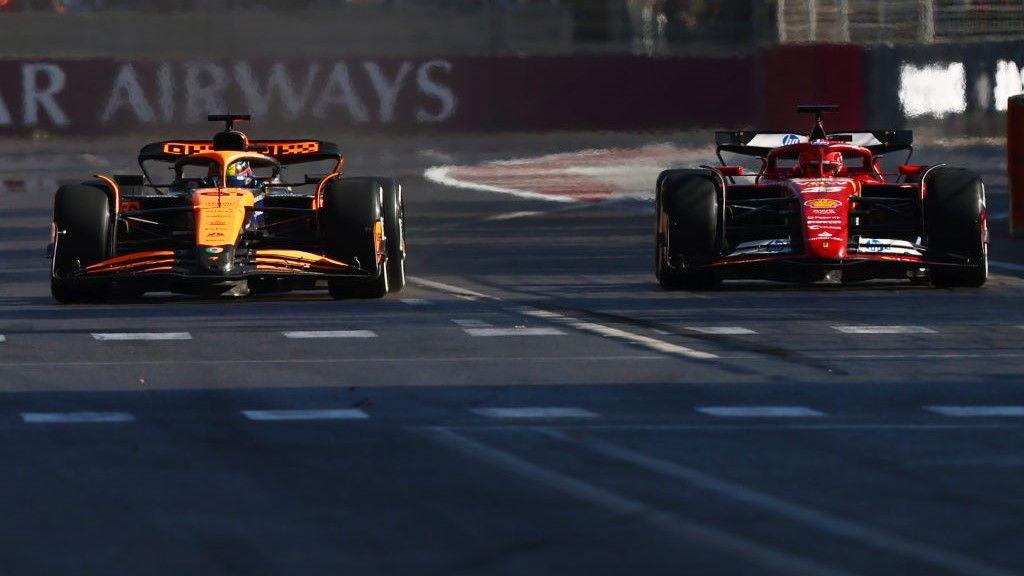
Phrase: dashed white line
pixel 884 329
pixel 516 331
pixel 330 334
pixel 416 301
pixel 721 330
pixel 735 546
pixel 315 414
pixel 471 323
pixel 536 412
pixel 128 336
pixel 76 417
pixel 760 411
pixel 818 520
pixel 978 411
pixel 608 331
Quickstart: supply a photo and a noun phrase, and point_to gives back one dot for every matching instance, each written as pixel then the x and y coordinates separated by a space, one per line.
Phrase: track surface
pixel 745 431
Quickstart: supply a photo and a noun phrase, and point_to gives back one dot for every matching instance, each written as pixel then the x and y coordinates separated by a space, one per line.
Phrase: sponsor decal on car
pixel 214 250
pixel 790 139
pixel 823 203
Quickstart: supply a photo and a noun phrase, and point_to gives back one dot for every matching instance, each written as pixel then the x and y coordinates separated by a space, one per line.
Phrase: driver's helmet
pixel 813 163
pixel 239 175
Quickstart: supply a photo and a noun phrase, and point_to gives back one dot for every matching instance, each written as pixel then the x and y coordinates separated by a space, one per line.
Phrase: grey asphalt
pixel 871 453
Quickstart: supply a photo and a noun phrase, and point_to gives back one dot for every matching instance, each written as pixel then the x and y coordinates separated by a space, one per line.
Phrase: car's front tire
pixel 83 219
pixel 352 219
pixel 687 211
pixel 955 224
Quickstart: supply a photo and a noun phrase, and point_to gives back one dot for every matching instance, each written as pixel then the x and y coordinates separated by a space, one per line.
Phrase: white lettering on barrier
pixel 258 99
pixel 1008 83
pixel 35 96
pixel 127 91
pixel 432 87
pixel 339 91
pixel 205 84
pixel 387 91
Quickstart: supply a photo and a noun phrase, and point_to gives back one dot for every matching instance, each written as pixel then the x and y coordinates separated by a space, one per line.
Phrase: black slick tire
pixel 83 219
pixel 954 214
pixel 351 211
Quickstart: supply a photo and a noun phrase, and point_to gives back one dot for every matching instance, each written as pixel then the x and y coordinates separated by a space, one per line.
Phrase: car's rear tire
pixel 954 214
pixel 352 211
pixel 83 219
pixel 688 213
pixel 394 233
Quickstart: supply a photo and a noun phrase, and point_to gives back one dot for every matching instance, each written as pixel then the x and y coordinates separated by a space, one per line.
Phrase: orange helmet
pixel 815 163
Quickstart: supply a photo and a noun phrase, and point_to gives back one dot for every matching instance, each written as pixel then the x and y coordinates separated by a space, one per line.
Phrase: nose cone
pixel 216 259
pixel 826 209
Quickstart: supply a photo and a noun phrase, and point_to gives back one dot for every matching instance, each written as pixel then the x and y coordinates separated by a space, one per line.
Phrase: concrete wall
pixel 410 31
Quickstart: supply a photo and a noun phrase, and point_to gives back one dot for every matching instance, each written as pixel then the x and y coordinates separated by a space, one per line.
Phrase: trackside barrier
pixel 1015 162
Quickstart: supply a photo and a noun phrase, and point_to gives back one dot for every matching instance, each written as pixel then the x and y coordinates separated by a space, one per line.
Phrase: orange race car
pixel 222 215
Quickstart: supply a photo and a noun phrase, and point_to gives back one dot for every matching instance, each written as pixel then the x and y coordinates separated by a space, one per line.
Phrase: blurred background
pixel 89 66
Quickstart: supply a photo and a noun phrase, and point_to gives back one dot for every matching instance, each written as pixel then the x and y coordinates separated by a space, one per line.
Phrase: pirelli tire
pixel 352 211
pixel 83 220
pixel 956 228
pixel 689 213
pixel 394 233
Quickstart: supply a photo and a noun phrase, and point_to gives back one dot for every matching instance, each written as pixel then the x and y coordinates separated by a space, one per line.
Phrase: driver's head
pixel 239 174
pixel 814 163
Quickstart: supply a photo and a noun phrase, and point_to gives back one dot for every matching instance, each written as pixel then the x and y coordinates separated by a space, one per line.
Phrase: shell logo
pixel 822 203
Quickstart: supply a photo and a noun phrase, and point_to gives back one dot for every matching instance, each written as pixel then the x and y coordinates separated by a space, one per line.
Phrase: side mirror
pixel 912 169
pixel 730 170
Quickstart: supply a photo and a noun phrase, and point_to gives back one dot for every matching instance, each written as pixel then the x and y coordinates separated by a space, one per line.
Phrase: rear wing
pixel 284 151
pixel 761 143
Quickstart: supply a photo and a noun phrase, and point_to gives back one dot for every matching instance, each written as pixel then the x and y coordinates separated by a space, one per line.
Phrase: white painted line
pixel 977 411
pixel 819 520
pixel 471 323
pixel 126 336
pixel 386 359
pixel 884 329
pixel 517 331
pixel 714 538
pixel 536 412
pixel 442 175
pixel 610 332
pixel 457 291
pixel 76 417
pixel 330 334
pixel 760 411
pixel 329 414
pixel 1006 265
pixel 721 330
pixel 416 302
pixel 513 215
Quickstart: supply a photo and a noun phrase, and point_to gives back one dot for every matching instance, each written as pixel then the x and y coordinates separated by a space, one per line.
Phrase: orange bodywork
pixel 220 215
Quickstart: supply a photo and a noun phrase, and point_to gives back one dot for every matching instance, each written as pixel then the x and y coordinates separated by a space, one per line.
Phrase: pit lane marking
pixel 314 414
pixel 76 417
pixel 535 412
pixel 817 519
pixel 471 323
pixel 978 411
pixel 305 334
pixel 721 330
pixel 515 331
pixel 128 336
pixel 760 411
pixel 714 538
pixel 884 329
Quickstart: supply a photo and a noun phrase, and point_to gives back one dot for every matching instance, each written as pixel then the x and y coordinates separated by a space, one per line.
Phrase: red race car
pixel 820 204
